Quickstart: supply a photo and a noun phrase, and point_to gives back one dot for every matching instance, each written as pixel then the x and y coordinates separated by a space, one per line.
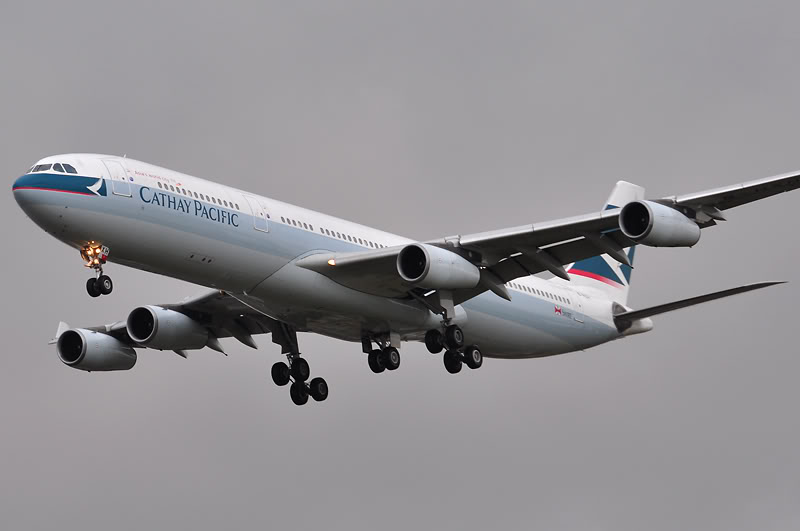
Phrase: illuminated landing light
pixel 332 262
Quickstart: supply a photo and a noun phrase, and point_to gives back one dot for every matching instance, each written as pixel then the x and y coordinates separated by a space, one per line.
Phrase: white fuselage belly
pixel 184 236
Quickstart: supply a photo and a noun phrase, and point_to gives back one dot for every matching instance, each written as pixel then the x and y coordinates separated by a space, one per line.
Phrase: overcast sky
pixel 425 119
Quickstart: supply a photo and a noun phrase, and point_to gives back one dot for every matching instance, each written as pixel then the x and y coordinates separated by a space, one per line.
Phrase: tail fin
pixel 603 272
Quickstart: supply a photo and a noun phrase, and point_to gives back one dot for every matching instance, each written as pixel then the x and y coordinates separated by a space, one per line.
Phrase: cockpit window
pixel 69 168
pixel 42 167
pixel 58 167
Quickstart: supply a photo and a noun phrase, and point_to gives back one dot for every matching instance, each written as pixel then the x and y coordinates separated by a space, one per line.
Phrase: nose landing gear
pixel 95 256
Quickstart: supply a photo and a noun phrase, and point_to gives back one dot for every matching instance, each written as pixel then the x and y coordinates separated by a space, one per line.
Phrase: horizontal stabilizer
pixel 624 319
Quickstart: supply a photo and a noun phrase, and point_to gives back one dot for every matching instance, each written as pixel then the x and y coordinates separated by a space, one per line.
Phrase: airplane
pixel 271 267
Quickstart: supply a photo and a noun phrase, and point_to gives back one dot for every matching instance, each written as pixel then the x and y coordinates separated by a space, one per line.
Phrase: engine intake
pixel 657 225
pixel 162 329
pixel 432 267
pixel 93 351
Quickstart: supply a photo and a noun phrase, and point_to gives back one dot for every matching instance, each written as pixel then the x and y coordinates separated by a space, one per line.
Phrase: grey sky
pixel 426 119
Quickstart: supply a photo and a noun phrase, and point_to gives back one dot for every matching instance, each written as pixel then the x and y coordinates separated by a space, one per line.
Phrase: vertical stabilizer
pixel 602 272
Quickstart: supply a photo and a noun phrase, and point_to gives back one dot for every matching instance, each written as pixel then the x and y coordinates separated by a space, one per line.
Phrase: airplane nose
pixel 17 189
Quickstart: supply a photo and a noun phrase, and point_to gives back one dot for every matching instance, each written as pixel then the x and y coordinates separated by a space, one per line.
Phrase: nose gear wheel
pixel 95 256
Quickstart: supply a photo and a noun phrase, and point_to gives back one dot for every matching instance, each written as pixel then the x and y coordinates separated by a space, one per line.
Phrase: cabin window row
pixel 354 239
pixel 202 197
pixel 298 224
pixel 332 233
pixel 545 294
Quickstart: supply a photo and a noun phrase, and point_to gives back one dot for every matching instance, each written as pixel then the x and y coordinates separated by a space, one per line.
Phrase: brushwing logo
pixel 559 311
pixel 98 188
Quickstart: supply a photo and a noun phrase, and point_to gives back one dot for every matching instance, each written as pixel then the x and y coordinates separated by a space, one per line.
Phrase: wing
pixel 625 319
pixel 223 314
pixel 506 254
pixel 738 194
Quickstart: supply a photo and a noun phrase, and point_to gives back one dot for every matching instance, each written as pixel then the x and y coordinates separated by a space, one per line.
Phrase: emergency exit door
pixel 119 180
pixel 259 211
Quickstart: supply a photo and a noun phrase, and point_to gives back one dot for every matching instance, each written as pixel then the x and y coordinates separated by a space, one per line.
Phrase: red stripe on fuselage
pixel 595 276
pixel 49 190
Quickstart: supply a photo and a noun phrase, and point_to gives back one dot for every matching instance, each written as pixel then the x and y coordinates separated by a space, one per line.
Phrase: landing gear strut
pixel 95 256
pixel 296 371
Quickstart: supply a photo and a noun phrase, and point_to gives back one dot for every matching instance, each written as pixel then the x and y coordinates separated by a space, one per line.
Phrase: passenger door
pixel 259 213
pixel 119 180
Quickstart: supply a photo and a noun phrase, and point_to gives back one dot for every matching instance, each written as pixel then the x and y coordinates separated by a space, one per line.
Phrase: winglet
pixel 62 327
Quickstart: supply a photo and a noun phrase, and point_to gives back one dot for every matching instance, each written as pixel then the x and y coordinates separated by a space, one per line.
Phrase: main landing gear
pixel 296 371
pixel 456 354
pixel 95 256
pixel 384 358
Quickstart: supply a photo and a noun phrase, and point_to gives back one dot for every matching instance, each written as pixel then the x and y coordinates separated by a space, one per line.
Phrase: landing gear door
pixel 119 180
pixel 260 215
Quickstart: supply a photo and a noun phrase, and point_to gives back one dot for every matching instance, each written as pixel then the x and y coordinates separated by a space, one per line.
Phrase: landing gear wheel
pixel 375 361
pixel 105 284
pixel 452 361
pixel 390 358
pixel 434 341
pixel 473 357
pixel 454 337
pixel 93 288
pixel 299 393
pixel 280 373
pixel 300 369
pixel 318 389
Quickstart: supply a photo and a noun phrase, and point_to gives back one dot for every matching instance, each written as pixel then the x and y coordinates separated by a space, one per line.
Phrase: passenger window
pixel 225 202
pixel 311 227
pixel 172 188
pixel 69 168
pixel 58 167
pixel 305 226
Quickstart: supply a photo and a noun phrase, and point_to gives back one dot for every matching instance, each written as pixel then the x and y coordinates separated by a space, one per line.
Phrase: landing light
pixel 332 262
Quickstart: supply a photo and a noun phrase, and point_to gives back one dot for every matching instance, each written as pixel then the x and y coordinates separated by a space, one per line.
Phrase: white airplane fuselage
pixel 209 234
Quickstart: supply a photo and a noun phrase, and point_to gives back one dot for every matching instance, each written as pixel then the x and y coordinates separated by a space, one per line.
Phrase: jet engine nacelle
pixel 162 329
pixel 432 267
pixel 94 351
pixel 657 225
